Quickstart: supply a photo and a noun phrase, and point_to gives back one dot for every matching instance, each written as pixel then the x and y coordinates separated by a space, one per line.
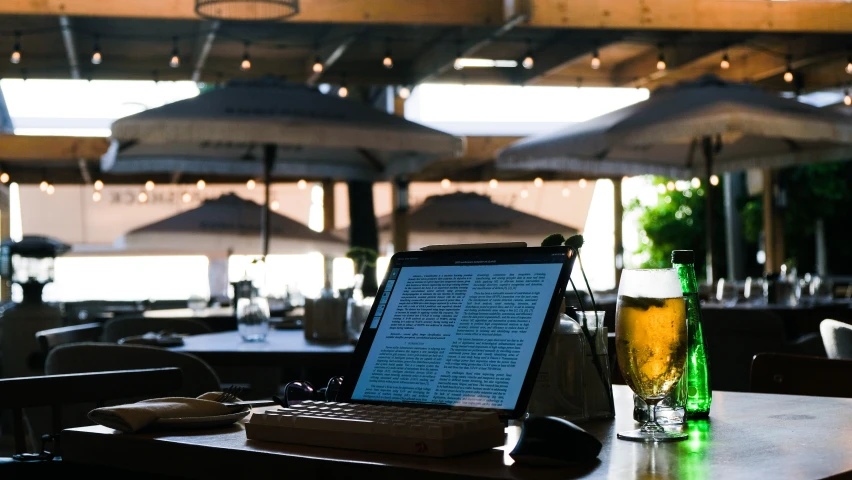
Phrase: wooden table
pixel 749 436
pixel 222 319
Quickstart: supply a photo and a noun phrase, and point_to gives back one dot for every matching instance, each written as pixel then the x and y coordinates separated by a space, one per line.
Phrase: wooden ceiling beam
pixel 70 50
pixel 641 71
pixel 25 148
pixel 203 49
pixel 421 12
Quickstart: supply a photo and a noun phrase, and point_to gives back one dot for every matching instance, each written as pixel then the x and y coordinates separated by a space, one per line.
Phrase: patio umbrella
pixel 466 217
pixel 698 128
pixel 270 128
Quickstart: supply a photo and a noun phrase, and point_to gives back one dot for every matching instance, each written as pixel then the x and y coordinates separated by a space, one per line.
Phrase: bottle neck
pixel 688 280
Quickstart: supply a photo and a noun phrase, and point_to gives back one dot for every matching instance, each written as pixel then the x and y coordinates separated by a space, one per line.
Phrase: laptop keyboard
pixel 379 428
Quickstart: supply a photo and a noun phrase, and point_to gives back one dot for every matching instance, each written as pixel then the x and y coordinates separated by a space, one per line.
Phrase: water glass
pixel 727 293
pixel 253 318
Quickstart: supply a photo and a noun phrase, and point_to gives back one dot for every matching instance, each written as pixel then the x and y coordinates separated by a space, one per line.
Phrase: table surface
pixel 748 436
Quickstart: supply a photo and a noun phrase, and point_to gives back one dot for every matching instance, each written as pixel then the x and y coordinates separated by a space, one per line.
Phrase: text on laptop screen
pixel 461 334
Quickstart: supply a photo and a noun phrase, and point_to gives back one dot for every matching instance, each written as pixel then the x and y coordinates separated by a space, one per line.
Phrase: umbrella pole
pixel 268 161
pixel 707 145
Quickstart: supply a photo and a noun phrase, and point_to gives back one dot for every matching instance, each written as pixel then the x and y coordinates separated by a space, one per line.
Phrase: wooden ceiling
pixel 136 38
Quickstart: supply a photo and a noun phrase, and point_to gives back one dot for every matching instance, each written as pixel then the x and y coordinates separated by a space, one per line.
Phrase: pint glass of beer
pixel 650 342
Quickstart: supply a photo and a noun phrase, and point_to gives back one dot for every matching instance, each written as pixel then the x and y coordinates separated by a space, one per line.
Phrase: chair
pixel 837 338
pixel 53 337
pixel 801 375
pixel 56 391
pixel 117 328
pixel 87 357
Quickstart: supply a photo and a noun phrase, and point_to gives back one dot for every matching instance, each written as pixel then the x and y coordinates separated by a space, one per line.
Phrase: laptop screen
pixel 459 328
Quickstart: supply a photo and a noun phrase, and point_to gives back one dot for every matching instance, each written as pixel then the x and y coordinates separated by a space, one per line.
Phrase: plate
pixel 202 422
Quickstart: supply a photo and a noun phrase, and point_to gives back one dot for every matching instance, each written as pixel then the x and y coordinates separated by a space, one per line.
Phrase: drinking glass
pixel 253 318
pixel 727 293
pixel 650 342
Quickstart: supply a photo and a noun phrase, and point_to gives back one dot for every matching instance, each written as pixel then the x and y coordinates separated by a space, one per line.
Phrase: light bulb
pixel 404 92
pixel 186 197
pixel 388 62
pixel 788 76
pixel 566 191
pixel 16 57
pixel 99 185
pixel 50 189
pixel 714 180
pixel 245 64
pixel 43 186
pixel 96 58
pixel 343 92
pixel 200 184
pixel 670 186
pixel 175 61
pixel 538 182
pixel 458 64
pixel 696 182
pixel 274 205
pixel 445 183
pixel 143 197
pixel 525 193
pixel 149 185
pixel 582 183
pixel 596 62
pixel 849 66
pixel 251 184
pixel 4 177
pixel 725 63
pixel 317 68
pixel 493 183
pixel 847 99
pixel 661 64
pixel 302 184
pixel 96 196
pixel 528 62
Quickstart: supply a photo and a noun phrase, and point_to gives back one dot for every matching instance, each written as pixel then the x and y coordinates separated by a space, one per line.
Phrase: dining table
pixel 748 435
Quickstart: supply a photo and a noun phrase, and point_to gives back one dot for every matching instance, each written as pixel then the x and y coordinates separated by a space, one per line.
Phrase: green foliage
pixel 363 257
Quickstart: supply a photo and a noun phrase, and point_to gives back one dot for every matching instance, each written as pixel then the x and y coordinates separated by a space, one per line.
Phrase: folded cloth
pixel 133 417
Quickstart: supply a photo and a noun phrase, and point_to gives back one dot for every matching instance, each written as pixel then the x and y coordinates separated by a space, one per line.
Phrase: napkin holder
pixel 325 319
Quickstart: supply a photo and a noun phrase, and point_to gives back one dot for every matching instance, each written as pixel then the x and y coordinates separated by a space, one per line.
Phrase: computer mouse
pixel 553 441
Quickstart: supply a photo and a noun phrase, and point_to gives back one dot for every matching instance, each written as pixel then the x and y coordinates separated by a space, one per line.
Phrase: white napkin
pixel 133 417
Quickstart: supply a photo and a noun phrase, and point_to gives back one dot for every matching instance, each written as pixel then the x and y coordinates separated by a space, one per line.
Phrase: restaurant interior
pixel 603 214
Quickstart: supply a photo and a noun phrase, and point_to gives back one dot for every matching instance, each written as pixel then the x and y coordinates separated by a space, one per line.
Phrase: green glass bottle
pixel 699 394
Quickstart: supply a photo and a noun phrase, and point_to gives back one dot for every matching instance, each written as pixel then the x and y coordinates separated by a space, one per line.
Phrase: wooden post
pixel 328 226
pixel 773 228
pixel 363 228
pixel 400 215
pixel 5 234
pixel 618 214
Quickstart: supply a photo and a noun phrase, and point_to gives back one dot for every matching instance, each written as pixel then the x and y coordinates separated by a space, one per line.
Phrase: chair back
pixel 837 338
pixel 53 337
pixel 117 328
pixel 57 391
pixel 801 375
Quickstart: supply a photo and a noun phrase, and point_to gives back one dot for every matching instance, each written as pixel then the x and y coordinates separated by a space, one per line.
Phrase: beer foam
pixel 650 283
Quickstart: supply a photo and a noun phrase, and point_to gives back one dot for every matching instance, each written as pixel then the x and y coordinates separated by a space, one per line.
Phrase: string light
pixel 538 182
pixel 849 65
pixel 149 185
pixel 788 75
pixel 96 196
pixel 661 60
pixel 186 197
pixel 596 60
pixel 4 177
pixel 493 183
pixel 246 63
pixel 528 62
pixel 726 62
pixel 404 92
pixel 274 205
pixel 582 183
pixel 200 184
pixel 97 58
pixel 343 92
pixel 143 197
pixel 714 180
pixel 696 182
pixel 458 65
pixel 302 184
pixel 251 184
pixel 174 62
pixel 670 186
pixel 16 50
pixel 317 67
pixel 99 185
pixel 445 183
pixel 43 185
pixel 388 60
pixel 566 191
pixel 525 193
pixel 50 189
pixel 847 99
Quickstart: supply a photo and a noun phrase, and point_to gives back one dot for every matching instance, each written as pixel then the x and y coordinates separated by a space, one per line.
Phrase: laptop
pixel 460 328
